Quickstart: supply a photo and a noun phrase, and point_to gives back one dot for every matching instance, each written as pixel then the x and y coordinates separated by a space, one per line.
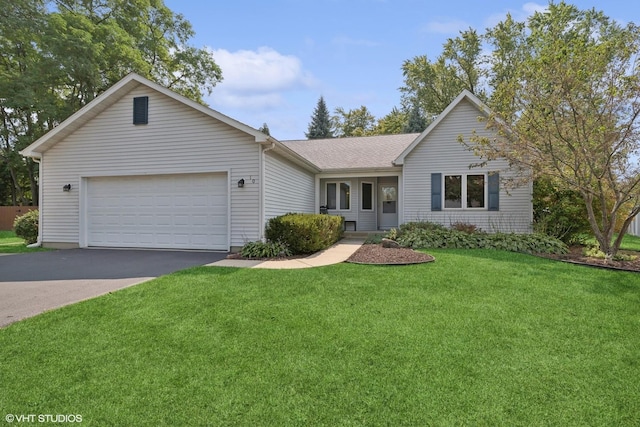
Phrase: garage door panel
pixel 163 211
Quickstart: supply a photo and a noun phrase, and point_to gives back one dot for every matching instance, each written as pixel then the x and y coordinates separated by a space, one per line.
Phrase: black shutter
pixel 436 191
pixel 494 191
pixel 141 110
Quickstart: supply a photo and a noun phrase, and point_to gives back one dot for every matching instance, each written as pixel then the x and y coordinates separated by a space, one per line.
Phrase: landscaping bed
pixel 576 256
pixel 376 254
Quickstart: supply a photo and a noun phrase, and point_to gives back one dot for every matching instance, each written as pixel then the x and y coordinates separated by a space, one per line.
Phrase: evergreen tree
pixel 265 129
pixel 320 126
pixel 416 122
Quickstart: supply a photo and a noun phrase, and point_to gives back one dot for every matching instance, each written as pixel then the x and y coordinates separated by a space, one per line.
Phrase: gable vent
pixel 141 110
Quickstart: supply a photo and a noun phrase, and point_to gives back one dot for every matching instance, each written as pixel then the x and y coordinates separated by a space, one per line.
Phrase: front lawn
pixel 478 337
pixel 630 243
pixel 10 243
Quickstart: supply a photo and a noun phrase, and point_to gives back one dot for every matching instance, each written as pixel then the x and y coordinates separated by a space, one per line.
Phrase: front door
pixel 387 203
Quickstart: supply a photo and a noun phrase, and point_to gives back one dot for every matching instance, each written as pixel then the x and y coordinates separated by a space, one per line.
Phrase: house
pixel 143 167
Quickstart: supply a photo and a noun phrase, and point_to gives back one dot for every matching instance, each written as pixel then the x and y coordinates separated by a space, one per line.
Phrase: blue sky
pixel 279 56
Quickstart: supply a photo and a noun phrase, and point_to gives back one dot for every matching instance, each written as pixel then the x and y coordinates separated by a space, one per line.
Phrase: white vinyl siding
pixel 177 139
pixel 441 152
pixel 288 188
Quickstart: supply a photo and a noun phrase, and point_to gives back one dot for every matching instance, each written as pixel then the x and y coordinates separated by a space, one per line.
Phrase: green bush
pixel 305 233
pixel 409 227
pixel 454 239
pixel 26 226
pixel 559 213
pixel 594 251
pixel 265 250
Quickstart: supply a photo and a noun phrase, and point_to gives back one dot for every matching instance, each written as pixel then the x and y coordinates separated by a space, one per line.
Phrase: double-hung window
pixel 465 191
pixel 338 195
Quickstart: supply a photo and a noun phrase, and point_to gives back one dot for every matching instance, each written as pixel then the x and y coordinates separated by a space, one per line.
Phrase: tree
pixel 22 95
pixel 568 110
pixel 356 122
pixel 391 124
pixel 56 56
pixel 431 86
pixel 265 129
pixel 320 126
pixel 416 122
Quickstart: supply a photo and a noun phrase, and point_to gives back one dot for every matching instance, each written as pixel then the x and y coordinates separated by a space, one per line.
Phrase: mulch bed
pixel 376 254
pixel 575 256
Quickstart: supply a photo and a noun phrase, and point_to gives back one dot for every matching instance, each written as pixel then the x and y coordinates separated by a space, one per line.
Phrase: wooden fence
pixel 9 213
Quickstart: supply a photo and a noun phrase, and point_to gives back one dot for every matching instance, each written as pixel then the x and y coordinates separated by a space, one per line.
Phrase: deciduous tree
pixel 355 122
pixel 431 86
pixel 56 56
pixel 391 124
pixel 567 107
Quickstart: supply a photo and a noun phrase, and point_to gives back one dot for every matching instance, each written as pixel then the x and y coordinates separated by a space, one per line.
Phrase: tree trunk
pixel 33 182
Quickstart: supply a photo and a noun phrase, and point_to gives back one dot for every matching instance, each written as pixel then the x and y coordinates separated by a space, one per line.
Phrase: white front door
pixel 387 203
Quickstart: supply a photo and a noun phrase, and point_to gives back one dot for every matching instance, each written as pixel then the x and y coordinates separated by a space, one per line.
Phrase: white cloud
pixel 446 27
pixel 257 78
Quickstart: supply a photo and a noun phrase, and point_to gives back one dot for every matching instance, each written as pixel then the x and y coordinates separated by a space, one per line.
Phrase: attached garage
pixel 141 166
pixel 182 211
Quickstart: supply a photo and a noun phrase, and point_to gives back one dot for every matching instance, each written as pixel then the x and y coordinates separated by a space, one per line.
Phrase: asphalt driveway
pixel 39 281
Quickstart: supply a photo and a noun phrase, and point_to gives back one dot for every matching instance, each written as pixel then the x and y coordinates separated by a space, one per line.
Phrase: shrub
pixel 410 227
pixel 595 252
pixel 454 239
pixel 558 212
pixel 265 250
pixel 374 239
pixel 465 227
pixel 26 226
pixel 305 233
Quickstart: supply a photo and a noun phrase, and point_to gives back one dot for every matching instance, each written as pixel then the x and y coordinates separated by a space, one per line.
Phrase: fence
pixel 634 228
pixel 9 213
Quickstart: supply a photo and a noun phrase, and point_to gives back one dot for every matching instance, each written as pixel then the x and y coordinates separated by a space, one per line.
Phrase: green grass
pixel 630 243
pixel 10 244
pixel 476 338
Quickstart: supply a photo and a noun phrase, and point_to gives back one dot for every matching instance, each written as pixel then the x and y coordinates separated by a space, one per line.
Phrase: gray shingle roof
pixel 366 152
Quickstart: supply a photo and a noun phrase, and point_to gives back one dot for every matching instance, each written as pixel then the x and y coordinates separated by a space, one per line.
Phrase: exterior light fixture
pixel 66 187
pixel 241 183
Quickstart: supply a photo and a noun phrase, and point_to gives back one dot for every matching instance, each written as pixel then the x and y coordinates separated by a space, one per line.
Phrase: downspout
pixel 38 242
pixel 263 174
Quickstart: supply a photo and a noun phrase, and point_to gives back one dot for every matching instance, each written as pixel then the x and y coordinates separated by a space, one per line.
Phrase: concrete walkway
pixel 336 254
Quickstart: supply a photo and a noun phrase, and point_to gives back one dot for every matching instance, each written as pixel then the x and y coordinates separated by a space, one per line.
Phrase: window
pixel 453 191
pixel 141 110
pixel 467 189
pixel 367 196
pixel 339 196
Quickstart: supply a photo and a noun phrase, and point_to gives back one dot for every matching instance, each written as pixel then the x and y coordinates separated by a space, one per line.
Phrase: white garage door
pixel 162 211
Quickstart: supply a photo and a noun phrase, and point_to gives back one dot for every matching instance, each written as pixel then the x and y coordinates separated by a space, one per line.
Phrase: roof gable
pixel 110 97
pixel 464 95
